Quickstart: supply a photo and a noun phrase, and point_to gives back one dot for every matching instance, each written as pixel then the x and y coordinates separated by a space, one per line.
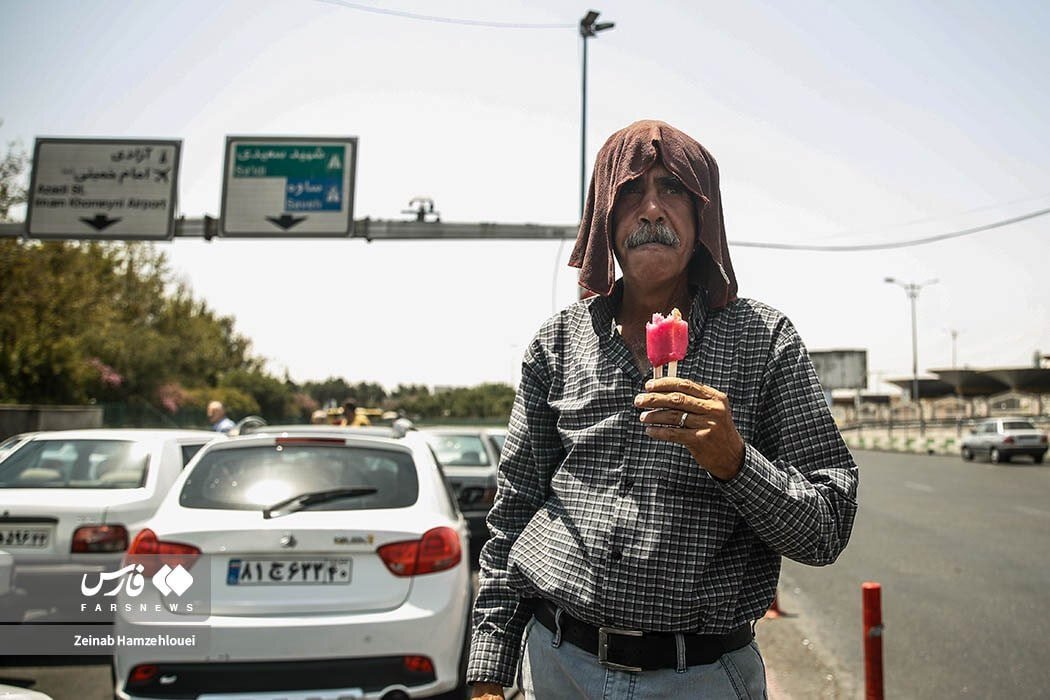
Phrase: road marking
pixel 1033 511
pixel 925 488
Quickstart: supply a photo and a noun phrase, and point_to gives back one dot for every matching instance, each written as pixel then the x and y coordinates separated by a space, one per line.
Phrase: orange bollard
pixel 774 608
pixel 872 596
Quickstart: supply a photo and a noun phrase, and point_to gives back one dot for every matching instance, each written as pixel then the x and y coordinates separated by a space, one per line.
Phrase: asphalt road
pixel 962 551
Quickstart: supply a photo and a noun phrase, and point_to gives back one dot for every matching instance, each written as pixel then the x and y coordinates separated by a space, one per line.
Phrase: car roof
pixel 123 434
pixel 133 435
pixel 462 430
pixel 341 430
pixel 362 437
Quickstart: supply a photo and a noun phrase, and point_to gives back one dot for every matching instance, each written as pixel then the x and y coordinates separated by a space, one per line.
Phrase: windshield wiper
pixel 303 500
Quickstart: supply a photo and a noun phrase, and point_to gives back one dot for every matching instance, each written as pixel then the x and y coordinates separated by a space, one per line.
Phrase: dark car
pixel 1000 439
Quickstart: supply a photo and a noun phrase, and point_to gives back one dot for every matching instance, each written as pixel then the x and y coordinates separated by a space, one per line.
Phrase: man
pixel 217 417
pixel 351 418
pixel 639 524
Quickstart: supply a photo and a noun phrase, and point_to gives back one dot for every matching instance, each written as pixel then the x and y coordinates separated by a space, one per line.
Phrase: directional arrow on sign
pixel 100 223
pixel 285 221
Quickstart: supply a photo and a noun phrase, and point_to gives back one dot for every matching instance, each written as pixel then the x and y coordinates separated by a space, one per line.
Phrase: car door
pixel 989 433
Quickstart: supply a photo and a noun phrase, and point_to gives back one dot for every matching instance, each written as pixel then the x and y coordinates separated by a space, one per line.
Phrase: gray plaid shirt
pixel 625 531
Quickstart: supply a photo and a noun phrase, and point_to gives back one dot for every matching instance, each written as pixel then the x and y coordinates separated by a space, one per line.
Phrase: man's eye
pixel 632 187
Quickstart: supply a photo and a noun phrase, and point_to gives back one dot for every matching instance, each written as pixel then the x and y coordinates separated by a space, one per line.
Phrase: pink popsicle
pixel 666 341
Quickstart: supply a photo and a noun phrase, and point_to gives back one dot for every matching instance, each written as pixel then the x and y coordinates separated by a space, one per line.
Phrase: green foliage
pixel 13 165
pixel 275 400
pixel 90 320
pixel 334 390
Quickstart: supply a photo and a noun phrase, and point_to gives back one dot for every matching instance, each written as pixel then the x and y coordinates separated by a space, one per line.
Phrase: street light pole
pixel 912 289
pixel 589 26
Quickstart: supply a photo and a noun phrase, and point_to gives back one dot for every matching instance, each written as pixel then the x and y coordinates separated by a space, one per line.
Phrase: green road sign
pixel 288 187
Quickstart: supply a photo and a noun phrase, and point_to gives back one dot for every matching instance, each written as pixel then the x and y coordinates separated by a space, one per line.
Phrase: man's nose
pixel 652 207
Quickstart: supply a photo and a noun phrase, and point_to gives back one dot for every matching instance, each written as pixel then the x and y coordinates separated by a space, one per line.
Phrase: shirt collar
pixel 603 311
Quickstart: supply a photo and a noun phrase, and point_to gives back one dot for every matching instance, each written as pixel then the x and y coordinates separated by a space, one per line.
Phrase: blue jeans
pixel 566 671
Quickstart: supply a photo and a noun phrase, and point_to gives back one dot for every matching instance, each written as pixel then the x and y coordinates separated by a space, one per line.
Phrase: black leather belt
pixel 633 650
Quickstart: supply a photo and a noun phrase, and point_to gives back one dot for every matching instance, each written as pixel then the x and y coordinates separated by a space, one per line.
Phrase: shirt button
pixel 615 554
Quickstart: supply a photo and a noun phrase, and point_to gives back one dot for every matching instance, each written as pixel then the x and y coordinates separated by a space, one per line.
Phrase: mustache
pixel 652 233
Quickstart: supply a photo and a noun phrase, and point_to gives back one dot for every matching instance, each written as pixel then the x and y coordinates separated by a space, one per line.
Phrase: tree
pixel 13 166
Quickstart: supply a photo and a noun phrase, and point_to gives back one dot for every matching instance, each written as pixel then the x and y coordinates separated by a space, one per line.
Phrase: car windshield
pixel 255 477
pixel 459 450
pixel 1018 425
pixel 76 464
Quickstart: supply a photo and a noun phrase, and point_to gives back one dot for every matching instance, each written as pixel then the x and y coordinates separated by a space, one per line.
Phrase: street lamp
pixel 589 26
pixel 955 337
pixel 913 289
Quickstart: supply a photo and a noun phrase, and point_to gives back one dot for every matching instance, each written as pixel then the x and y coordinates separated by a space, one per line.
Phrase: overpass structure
pixel 207 227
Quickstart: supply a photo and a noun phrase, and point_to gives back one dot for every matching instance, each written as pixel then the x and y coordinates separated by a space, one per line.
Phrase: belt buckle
pixel 603 648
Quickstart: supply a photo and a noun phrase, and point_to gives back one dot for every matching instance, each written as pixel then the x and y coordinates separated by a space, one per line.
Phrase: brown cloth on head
pixel 625 156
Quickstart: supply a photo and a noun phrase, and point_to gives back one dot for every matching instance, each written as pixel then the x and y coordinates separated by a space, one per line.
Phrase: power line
pixel 445 20
pixel 890 246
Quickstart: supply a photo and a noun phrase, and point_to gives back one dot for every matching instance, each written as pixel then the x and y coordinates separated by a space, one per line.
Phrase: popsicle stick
pixel 672 368
pixel 658 371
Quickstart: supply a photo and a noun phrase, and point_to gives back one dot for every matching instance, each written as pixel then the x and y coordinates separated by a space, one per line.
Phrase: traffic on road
pixel 336 562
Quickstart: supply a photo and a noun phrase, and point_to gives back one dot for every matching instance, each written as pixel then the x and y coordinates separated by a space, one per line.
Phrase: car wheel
pixel 967 454
pixel 996 457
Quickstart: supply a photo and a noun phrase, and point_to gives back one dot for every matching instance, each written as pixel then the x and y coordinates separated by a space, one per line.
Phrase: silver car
pixel 1000 439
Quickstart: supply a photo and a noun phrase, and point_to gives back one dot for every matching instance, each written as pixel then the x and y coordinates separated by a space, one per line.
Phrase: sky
pixel 850 123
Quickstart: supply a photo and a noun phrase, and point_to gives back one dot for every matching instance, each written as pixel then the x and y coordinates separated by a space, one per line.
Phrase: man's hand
pixel 486 691
pixel 697 416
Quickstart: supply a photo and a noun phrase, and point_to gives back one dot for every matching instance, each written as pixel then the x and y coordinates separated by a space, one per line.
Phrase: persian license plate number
pixel 25 537
pixel 288 572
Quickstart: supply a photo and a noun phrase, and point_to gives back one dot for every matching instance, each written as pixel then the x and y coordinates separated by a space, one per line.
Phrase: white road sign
pixel 112 189
pixel 841 369
pixel 288 187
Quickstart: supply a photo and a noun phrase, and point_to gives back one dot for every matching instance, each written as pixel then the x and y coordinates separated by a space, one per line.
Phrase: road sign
pixel 841 369
pixel 288 187
pixel 110 189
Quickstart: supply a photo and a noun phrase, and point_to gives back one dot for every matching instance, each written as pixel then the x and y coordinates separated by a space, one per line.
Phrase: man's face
pixel 654 227
pixel 213 413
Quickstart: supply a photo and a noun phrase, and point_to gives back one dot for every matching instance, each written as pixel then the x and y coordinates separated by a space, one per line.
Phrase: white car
pixel 14 692
pixel 9 444
pixel 71 501
pixel 7 589
pixel 333 567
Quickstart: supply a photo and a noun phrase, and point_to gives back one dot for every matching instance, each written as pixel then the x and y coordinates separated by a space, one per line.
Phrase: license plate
pixel 25 537
pixel 287 572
